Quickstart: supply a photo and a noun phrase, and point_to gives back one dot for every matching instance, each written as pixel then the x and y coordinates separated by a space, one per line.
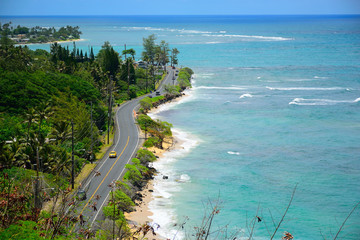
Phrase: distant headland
pixel 25 35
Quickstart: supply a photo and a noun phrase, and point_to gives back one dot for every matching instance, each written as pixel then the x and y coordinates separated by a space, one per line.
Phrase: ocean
pixel 274 105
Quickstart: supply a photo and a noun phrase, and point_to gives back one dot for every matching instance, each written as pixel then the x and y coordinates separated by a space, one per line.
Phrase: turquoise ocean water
pixel 275 102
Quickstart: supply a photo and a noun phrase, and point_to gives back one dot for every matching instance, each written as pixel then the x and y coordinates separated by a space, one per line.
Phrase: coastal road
pixel 126 143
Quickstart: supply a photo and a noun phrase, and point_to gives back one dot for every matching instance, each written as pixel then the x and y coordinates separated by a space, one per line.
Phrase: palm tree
pixel 29 118
pixel 61 163
pixel 43 112
pixel 130 51
pixel 7 154
pixel 61 131
pixel 26 155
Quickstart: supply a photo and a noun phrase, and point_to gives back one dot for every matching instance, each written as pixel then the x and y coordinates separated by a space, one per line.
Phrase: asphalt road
pixel 126 143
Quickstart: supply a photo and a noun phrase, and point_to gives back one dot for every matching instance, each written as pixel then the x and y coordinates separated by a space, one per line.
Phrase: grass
pixel 160 81
pixel 105 146
pixel 85 171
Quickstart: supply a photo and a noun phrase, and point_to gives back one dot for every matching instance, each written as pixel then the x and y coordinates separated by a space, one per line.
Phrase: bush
pixel 133 89
pixel 151 142
pixel 145 156
pixel 133 175
pixel 123 201
pixel 113 212
pixel 144 121
pixel 22 230
pixel 188 70
pixel 146 104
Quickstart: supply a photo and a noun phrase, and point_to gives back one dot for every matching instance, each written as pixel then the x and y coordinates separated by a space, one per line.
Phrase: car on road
pixel 157 93
pixel 112 154
pixel 81 194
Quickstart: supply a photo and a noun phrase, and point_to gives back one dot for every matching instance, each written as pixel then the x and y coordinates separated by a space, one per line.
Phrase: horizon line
pixel 176 15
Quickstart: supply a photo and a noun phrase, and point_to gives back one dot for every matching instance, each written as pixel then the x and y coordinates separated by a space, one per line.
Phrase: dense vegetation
pixel 38 34
pixel 48 99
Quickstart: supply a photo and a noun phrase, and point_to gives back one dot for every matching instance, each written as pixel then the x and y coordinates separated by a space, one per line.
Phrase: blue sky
pixel 177 7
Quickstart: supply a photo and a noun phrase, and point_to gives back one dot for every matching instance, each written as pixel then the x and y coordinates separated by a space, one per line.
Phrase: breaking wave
pixel 308 89
pixel 248 37
pixel 246 95
pixel 221 88
pixel 319 102
pixel 233 153
pixel 221 34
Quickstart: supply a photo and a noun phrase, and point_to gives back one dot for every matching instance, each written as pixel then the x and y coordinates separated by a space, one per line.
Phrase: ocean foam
pixel 246 95
pixel 162 204
pixel 319 102
pixel 186 31
pixel 189 96
pixel 144 28
pixel 213 42
pixel 184 178
pixel 233 153
pixel 317 77
pixel 248 37
pixel 307 89
pixel 221 88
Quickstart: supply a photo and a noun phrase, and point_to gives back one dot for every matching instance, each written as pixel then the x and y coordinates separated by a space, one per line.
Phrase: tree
pixel 108 59
pixel 92 56
pixel 145 156
pixel 146 104
pixel 174 59
pixel 163 52
pixel 61 131
pixel 131 52
pixel 171 90
pixel 149 48
pixel 6 42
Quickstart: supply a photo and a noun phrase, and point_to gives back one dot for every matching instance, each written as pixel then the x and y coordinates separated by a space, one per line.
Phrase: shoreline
pixel 143 214
pixel 66 41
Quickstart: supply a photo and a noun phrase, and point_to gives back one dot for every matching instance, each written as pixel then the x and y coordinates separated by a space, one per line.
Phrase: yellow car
pixel 112 154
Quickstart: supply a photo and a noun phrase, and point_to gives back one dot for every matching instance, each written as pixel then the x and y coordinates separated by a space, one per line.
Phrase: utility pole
pixel 145 131
pixel 37 197
pixel 113 199
pixel 128 77
pixel 173 78
pixel 72 155
pixel 91 146
pixel 146 76
pixel 164 58
pixel 109 109
pixel 125 51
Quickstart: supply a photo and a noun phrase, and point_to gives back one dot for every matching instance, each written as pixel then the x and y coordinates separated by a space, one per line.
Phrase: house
pixel 141 64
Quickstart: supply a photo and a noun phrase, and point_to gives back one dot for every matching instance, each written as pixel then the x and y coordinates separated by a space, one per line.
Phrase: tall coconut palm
pixel 30 117
pixel 61 131
pixel 61 163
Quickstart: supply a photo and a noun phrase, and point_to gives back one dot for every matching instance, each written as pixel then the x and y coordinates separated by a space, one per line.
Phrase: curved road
pixel 126 143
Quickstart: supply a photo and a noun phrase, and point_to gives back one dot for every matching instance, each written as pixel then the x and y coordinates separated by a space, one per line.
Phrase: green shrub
pixel 146 103
pixel 151 142
pixel 122 200
pixel 145 156
pixel 133 175
pixel 22 230
pixel 112 212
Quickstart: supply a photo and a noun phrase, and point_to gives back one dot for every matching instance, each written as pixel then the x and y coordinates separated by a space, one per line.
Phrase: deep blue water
pixel 275 103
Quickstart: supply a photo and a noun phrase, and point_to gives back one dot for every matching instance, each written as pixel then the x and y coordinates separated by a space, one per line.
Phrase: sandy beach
pixel 67 41
pixel 142 213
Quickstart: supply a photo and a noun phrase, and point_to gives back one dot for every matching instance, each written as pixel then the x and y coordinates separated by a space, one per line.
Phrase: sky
pixel 176 7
